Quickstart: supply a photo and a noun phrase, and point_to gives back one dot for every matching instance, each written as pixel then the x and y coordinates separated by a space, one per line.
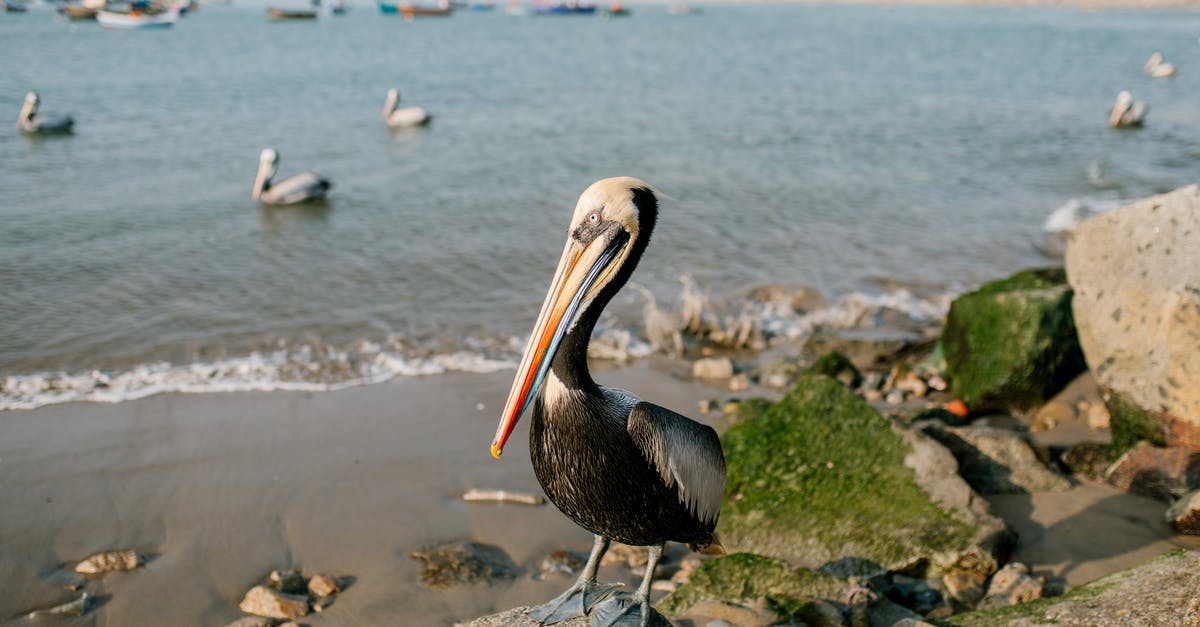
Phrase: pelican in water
pixel 294 189
pixel 30 122
pixel 397 117
pixel 624 469
pixel 1157 69
pixel 1126 112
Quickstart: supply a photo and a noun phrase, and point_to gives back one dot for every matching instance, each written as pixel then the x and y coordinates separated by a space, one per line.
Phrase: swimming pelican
pixel 1157 69
pixel 30 122
pixel 294 189
pixel 624 469
pixel 1126 112
pixel 402 118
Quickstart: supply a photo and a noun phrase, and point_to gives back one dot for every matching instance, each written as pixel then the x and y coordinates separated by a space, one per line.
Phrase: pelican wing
pixel 294 189
pixel 686 454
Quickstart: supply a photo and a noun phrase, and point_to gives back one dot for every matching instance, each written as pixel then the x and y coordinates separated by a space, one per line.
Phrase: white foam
pixel 1068 215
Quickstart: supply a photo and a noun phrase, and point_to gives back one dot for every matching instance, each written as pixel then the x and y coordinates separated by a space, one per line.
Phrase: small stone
pixel 965 587
pixel 289 624
pixel 252 621
pixel 913 385
pixel 1051 415
pixel 109 561
pixel 712 368
pixel 561 563
pixel 271 603
pixel 894 397
pixel 453 563
pixel 664 585
pixel 707 405
pixel 1096 415
pixel 936 382
pixel 1088 459
pixel 739 382
pixel 1184 515
pixel 872 396
pixel 632 556
pixel 321 586
pixel 687 568
pixel 1012 585
pixel 289 581
pixel 76 607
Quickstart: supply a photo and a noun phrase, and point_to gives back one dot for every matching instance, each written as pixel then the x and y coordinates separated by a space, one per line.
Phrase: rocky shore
pixel 860 497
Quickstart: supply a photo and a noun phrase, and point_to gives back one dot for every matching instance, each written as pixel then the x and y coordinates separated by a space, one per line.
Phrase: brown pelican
pixel 30 122
pixel 626 470
pixel 1157 69
pixel 294 189
pixel 405 117
pixel 1126 112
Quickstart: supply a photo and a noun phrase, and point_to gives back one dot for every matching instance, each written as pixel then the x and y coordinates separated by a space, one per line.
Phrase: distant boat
pixel 77 11
pixel 335 7
pixel 136 20
pixel 573 8
pixel 277 13
pixel 409 11
pixel 616 9
pixel 11 7
pixel 680 8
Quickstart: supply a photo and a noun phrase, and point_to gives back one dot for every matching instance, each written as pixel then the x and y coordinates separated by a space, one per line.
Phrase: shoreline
pixel 221 488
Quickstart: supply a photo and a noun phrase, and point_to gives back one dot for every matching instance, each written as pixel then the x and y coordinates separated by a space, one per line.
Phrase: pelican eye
pixel 593 217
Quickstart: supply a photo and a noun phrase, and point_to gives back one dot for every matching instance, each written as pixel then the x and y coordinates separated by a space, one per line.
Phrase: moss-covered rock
pixel 1012 342
pixel 821 476
pixel 1130 424
pixel 837 366
pixel 1160 592
pixel 748 578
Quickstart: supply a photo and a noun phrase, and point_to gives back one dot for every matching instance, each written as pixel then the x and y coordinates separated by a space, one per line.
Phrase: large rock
pixel 1161 473
pixel 997 461
pixel 820 477
pixel 1184 515
pixel 1160 592
pixel 1012 343
pixel 751 583
pixel 1136 275
pixel 271 603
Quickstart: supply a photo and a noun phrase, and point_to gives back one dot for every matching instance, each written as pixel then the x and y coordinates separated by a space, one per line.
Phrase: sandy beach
pixel 222 488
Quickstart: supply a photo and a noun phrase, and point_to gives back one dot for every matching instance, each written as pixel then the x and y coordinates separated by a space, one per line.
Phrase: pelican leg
pixel 617 611
pixel 579 599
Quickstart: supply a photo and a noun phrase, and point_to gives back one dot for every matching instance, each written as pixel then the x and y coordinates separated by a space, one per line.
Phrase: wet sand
pixel 222 488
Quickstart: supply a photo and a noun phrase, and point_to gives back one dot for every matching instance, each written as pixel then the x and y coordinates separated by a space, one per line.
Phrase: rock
pixel 1160 592
pixel 1184 515
pixel 768 588
pixel 252 621
pixel 913 593
pixel 965 587
pixel 75 607
pixel 1136 275
pixel 1012 585
pixel 997 461
pixel 1051 415
pixel 687 567
pixel 800 299
pixel 288 581
pixel 516 618
pixel 712 368
pixel 778 373
pixel 455 563
pixel 1095 415
pixel 1161 473
pixel 820 476
pixel 739 383
pixel 271 603
pixel 635 557
pixel 1012 343
pixel 735 413
pixel 912 384
pixel 321 586
pixel 109 561
pixel 836 366
pixel 1088 459
pixel 864 348
pixel 561 562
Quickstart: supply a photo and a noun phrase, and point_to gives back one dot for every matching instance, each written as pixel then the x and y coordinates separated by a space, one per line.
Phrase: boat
pixel 410 11
pixel 11 7
pixel 482 5
pixel 77 12
pixel 562 8
pixel 136 20
pixel 277 13
pixel 616 9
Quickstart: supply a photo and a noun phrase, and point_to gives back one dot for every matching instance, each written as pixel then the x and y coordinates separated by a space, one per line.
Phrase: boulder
pixel 821 476
pixel 997 461
pixel 1136 276
pixel 271 603
pixel 1184 515
pixel 750 585
pixel 1160 592
pixel 455 563
pixel 1012 343
pixel 1157 472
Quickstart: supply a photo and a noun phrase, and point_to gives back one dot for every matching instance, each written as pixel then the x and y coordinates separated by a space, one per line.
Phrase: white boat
pixel 134 20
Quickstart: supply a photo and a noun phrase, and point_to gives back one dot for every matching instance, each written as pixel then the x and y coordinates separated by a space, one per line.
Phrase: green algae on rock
pixel 1012 342
pixel 746 577
pixel 820 476
pixel 837 366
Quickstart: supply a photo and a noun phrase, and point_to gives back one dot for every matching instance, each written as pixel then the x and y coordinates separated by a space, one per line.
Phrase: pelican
pixel 1157 69
pixel 405 117
pixel 1126 112
pixel 30 122
pixel 624 469
pixel 294 189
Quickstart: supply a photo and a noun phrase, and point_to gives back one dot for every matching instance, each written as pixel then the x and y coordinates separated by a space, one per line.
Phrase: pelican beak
pixel 578 270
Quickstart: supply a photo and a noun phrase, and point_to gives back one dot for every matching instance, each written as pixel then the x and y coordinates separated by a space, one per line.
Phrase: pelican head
pixel 1123 104
pixel 30 107
pixel 268 163
pixel 607 235
pixel 389 105
pixel 1156 59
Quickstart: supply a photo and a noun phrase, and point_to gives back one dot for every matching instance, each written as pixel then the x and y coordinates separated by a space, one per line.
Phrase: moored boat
pixel 77 11
pixel 136 20
pixel 562 8
pixel 409 11
pixel 277 13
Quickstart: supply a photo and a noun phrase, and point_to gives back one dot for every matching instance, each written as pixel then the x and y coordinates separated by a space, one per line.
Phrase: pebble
pixel 739 383
pixel 1012 585
pixel 712 368
pixel 476 495
pixel 321 586
pixel 453 563
pixel 76 607
pixel 289 581
pixel 109 561
pixel 264 601
pixel 895 397
pixel 561 563
pixel 252 621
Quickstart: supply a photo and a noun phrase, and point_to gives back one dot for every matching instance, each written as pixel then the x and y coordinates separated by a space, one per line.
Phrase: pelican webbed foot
pixel 577 601
pixel 626 610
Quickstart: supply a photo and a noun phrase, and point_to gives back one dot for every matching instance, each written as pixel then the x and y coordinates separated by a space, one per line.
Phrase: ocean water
pixel 886 156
